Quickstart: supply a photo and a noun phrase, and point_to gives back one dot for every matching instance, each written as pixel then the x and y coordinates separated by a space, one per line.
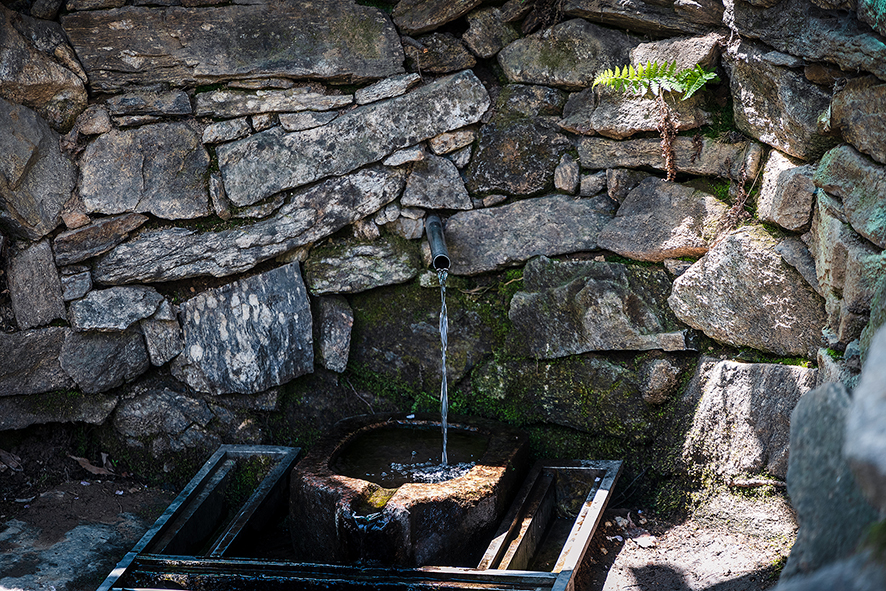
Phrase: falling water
pixel 444 339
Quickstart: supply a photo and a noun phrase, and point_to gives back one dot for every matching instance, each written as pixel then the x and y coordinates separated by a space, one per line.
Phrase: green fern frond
pixel 656 78
pixel 693 79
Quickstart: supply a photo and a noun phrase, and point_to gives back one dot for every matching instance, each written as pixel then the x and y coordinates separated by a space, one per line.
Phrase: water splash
pixel 442 274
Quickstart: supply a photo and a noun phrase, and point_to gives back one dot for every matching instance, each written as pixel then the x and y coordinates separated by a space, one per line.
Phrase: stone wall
pixel 212 218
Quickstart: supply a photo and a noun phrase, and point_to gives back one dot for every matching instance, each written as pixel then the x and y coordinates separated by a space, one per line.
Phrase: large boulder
pixel 420 16
pixel 723 295
pixel 101 361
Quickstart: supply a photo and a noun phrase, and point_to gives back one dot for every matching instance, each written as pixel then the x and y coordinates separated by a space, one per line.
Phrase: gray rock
pixel 721 159
pixel 487 33
pixel 776 105
pixel 100 361
pixel 358 267
pixel 860 183
pixel 877 318
pixel 795 253
pixel 97 238
pixel 575 307
pixel 566 175
pixel 408 228
pixel 419 16
pixel 802 29
pixel 435 183
pixel 783 315
pixel 860 572
pixel 338 40
pixel 653 18
pixel 837 371
pixel 871 13
pixel 660 380
pixel 34 286
pixel 262 210
pixel 220 204
pixel 247 336
pixel 160 410
pixel 787 195
pixel 272 161
pixel 237 103
pixel 387 88
pixel 36 179
pixel 592 184
pixel 31 76
pixel 114 309
pixel 309 215
pixel 226 131
pixel 438 53
pixel 31 363
pixel 76 286
pixel 400 157
pixel 93 121
pixel 451 141
pixel 46 9
pixel 148 102
pixel 621 181
pixel 333 319
pixel 831 510
pixel 159 169
pixel 20 412
pixel 497 237
pixel 686 52
pixel 305 120
pixel 743 421
pixel 567 55
pixel 853 113
pixel 263 121
pixel 529 100
pixel 462 157
pixel 661 220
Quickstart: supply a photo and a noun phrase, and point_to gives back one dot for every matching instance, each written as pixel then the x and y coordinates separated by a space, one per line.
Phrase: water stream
pixel 442 274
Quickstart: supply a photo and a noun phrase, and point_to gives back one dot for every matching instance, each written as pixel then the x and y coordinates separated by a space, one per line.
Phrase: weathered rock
pixel 400 157
pixel 435 183
pixel 566 175
pixel 387 88
pixel 31 77
pixel 567 55
pixel 861 184
pixel 742 424
pixel 272 161
pixel 97 238
pixel 872 13
pixel 487 33
pixel 440 53
pixel 163 335
pixel 660 380
pixel 309 215
pixel 661 220
pixel 775 104
pixel 100 361
pixel 34 286
pixel 262 210
pixel 19 412
pixel 247 336
pixel 160 411
pixel 451 141
pixel 529 100
pixel 159 169
pixel 802 29
pixel 408 228
pixel 93 121
pixel 877 318
pixel 795 253
pixel 305 120
pixel 419 16
pixel 686 52
pixel 860 571
pixel 358 267
pixel 497 237
pixel 226 131
pixel 653 18
pixel 591 184
pixel 236 103
pixel 114 309
pixel 621 181
pixel 580 306
pixel 46 9
pixel 31 364
pixel 333 319
pixel 782 315
pixel 831 510
pixel 787 195
pixel 853 113
pixel 516 156
pixel 36 179
pixel 715 158
pixel 335 40
pixel 76 285
pixel 147 102
pixel 263 121
pixel 833 370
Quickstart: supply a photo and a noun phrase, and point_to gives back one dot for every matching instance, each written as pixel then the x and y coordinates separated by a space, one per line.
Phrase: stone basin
pixel 338 519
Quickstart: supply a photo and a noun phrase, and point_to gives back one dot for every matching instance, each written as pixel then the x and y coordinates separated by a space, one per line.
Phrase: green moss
pixel 723 120
pixel 755 356
pixel 875 541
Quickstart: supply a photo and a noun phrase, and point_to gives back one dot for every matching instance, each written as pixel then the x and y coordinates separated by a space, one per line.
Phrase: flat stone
pixel 592 184
pixel 305 120
pixel 776 104
pixel 100 361
pixel 653 18
pixel 529 100
pixel 400 157
pixel 159 169
pixel 31 363
pixel 34 286
pixel 309 215
pixel 567 174
pixel 338 40
pixel 160 411
pixel 114 309
pixel 487 32
pixel 440 53
pixel 97 238
pixel 621 181
pixel 408 228
pixel 163 335
pixel 247 336
pixel 720 159
pixel 795 253
pixel 263 121
pixel 861 184
pixel 452 141
pixel 226 131
pixel 20 412
pixel 461 158
pixel 387 88
pixel 783 315
pixel 146 102
pixel 236 103
pixel 787 195
pixel 686 52
pixel 435 183
pixel 76 286
pixel 742 425
pixel 852 112
pixel 37 179
pixel 333 319
pixel 497 237
pixel 272 161
pixel 568 55
pixel 358 267
pixel 261 210
pixel 574 307
pixel 93 121
pixel 413 17
pixel 661 220
pixel 31 76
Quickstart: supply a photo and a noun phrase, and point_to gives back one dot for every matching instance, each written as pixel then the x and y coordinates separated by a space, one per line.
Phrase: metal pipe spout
pixel 439 254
